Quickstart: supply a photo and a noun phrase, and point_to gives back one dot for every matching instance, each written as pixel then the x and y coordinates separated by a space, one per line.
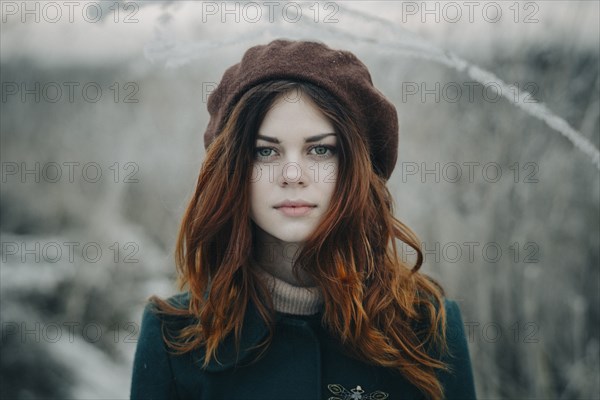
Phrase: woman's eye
pixel 263 151
pixel 322 150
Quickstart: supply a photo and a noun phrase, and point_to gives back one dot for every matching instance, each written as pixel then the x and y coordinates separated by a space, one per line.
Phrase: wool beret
pixel 339 72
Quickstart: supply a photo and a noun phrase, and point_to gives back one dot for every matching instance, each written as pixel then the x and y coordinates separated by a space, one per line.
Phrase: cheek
pixel 328 178
pixel 260 177
pixel 328 195
pixel 255 174
pixel 259 196
pixel 328 172
pixel 254 200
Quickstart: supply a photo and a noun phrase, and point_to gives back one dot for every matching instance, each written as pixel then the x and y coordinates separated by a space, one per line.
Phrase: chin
pixel 290 237
pixel 286 231
pixel 290 234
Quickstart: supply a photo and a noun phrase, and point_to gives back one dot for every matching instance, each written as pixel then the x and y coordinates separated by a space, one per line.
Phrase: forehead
pixel 294 117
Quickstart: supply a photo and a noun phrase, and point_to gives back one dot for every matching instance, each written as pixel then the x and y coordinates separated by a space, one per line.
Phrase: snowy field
pixel 102 114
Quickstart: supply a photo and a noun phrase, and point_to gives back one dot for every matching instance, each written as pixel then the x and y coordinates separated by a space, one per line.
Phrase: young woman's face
pixel 295 160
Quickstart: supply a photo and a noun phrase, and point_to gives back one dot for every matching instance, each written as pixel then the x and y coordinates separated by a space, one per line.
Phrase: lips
pixel 295 211
pixel 294 203
pixel 295 208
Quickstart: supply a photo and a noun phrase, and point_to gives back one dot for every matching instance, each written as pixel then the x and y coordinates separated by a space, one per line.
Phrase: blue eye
pixel 320 151
pixel 262 153
pixel 330 149
pixel 261 149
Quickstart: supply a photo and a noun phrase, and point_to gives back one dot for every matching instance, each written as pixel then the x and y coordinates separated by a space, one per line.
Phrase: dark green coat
pixel 302 362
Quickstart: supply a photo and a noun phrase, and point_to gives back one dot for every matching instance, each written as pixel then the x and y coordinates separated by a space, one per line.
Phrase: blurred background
pixel 102 114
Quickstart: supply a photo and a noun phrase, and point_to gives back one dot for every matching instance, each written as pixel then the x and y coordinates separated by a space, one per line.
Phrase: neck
pixel 288 298
pixel 278 258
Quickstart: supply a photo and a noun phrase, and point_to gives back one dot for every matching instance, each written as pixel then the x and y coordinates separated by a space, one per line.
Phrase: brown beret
pixel 340 72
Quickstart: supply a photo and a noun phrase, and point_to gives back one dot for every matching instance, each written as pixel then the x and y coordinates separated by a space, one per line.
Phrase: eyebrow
pixel 309 139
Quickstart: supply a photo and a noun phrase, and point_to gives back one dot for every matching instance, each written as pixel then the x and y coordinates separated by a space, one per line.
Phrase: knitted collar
pixel 290 299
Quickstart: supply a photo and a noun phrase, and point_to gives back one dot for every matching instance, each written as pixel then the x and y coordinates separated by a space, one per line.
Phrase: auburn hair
pixel 383 311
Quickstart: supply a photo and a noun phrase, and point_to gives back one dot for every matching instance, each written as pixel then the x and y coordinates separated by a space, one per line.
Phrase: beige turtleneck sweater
pixel 290 299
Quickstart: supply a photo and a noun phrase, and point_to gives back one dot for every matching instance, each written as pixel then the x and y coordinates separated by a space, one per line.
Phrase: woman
pixel 288 251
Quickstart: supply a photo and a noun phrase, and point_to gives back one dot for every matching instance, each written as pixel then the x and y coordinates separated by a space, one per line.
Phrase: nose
pixel 293 173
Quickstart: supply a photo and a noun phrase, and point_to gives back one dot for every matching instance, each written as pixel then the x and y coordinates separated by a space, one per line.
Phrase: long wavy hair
pixel 383 311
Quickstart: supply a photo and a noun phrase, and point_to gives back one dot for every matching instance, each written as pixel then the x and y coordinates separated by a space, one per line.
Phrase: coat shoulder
pixel 179 300
pixel 458 381
pixel 152 376
pixel 154 317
